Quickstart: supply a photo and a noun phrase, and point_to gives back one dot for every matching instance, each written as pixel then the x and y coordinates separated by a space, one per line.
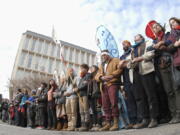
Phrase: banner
pixel 106 41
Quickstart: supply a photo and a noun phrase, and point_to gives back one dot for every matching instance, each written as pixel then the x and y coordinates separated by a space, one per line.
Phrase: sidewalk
pixel 167 129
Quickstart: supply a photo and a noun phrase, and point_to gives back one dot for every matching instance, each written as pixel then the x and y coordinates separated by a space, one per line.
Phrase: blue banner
pixel 106 41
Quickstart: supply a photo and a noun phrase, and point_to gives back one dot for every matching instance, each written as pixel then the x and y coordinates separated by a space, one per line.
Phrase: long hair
pixel 176 19
pixel 162 27
pixel 69 76
pixel 53 85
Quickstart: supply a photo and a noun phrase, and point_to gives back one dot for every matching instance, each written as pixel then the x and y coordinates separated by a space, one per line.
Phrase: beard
pixel 126 48
pixel 82 74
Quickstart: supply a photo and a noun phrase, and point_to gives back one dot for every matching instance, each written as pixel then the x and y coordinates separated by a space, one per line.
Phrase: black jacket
pixel 42 98
pixel 83 85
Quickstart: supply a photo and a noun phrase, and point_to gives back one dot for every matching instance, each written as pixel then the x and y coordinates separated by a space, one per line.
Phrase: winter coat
pixel 112 69
pixel 83 85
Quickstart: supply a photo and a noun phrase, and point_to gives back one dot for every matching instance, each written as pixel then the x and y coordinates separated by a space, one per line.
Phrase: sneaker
pixel 40 127
pixel 29 127
pixel 70 129
pixel 153 123
pixel 175 119
pixel 96 127
pixel 143 124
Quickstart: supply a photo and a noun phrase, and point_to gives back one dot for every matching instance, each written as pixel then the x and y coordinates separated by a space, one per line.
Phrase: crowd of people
pixel 138 90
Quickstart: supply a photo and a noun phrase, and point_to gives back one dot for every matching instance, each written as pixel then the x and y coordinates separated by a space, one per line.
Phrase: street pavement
pixel 166 129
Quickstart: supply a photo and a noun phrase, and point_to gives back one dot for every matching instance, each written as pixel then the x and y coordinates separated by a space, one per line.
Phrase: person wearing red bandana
pixel 163 61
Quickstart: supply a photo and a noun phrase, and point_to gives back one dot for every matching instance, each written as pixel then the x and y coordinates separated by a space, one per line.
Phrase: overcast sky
pixel 75 21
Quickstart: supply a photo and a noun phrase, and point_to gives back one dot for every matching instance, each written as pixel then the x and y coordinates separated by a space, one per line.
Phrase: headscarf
pixel 149 31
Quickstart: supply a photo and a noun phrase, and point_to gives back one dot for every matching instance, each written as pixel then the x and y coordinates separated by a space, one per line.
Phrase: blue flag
pixel 106 41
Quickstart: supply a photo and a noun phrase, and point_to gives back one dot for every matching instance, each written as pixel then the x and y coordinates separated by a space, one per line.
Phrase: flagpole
pixel 54 37
pixel 62 60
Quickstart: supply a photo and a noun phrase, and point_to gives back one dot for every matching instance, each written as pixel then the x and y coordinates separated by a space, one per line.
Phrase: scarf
pixel 138 43
pixel 126 53
pixel 175 34
pixel 160 36
pixel 177 27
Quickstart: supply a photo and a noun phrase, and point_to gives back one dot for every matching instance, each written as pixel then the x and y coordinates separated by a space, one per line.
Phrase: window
pixel 58 65
pixel 64 52
pixel 43 64
pixel 26 43
pixel 34 75
pixel 22 58
pixel 39 46
pixel 19 74
pixel 26 74
pixel 82 57
pixel 76 57
pixel 42 68
pixel 50 66
pixel 88 59
pixel 37 62
pixel 52 50
pixel 49 49
pixel 53 66
pixel 71 55
pixel 45 48
pixel 29 60
pixel 33 44
pixel 58 51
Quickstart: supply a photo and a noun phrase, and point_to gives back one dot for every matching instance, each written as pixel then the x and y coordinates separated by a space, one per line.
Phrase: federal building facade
pixel 40 55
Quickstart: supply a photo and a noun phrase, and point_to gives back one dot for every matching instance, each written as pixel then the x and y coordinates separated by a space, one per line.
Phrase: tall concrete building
pixel 39 55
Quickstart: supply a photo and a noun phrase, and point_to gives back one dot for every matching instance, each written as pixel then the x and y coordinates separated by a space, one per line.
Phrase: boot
pixel 98 126
pixel 53 128
pixel 84 127
pixel 48 128
pixel 172 120
pixel 70 129
pixel 106 127
pixel 59 126
pixel 164 120
pixel 95 127
pixel 143 124
pixel 130 126
pixel 65 126
pixel 115 125
pixel 175 119
pixel 153 123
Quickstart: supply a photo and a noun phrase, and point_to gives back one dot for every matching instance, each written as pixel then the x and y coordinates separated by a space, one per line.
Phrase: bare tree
pixel 29 83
